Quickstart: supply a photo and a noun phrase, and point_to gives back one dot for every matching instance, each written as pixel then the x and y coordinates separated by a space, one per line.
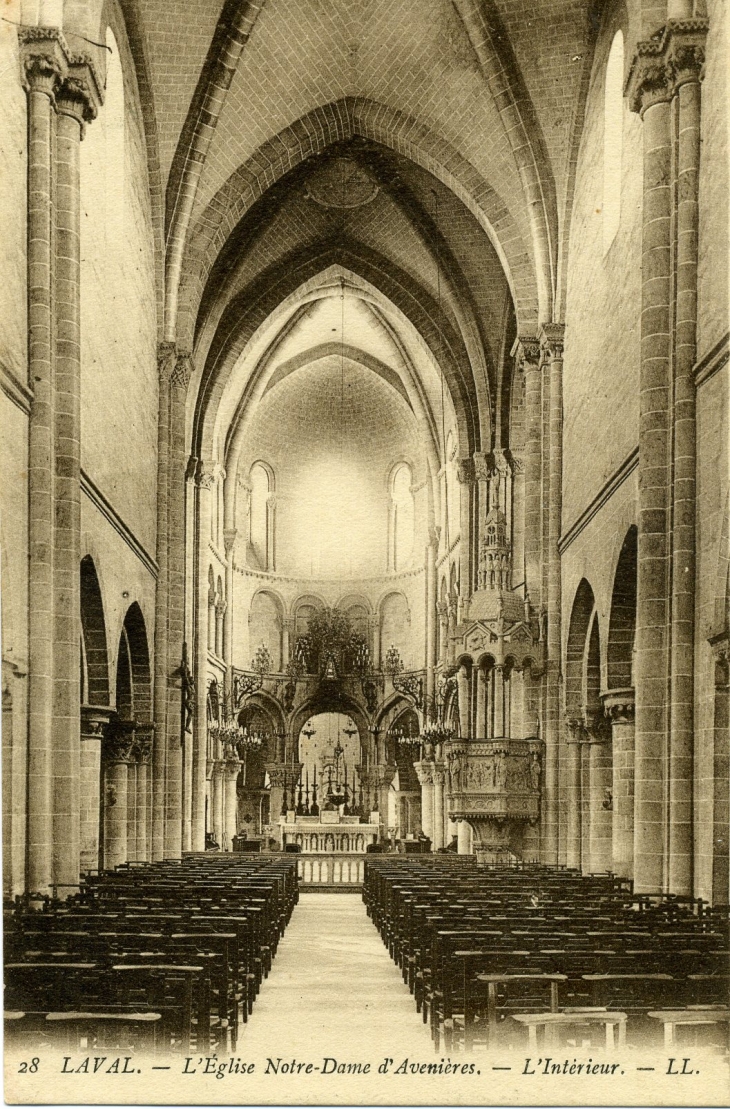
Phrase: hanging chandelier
pixel 410 685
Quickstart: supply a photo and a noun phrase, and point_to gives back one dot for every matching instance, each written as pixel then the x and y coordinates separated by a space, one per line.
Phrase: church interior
pixel 365 530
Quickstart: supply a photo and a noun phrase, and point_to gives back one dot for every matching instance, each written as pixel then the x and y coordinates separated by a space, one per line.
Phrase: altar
pixel 329 832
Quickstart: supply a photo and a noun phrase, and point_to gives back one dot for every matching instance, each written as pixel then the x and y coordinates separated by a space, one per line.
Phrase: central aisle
pixel 333 988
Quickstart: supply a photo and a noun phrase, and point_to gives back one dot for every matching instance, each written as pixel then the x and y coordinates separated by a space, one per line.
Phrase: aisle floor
pixel 333 987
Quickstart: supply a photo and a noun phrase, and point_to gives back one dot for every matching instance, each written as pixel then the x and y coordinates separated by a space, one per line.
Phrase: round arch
pixel 95 658
pixel 622 619
pixel 581 617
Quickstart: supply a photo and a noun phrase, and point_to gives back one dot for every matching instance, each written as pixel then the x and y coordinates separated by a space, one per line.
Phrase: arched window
pixel 402 517
pixel 261 516
pixel 613 111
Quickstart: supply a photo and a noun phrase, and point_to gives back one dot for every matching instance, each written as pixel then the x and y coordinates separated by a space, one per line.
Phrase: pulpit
pixel 495 787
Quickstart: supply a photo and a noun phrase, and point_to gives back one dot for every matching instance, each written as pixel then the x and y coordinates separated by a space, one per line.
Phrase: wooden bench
pixel 675 1018
pixel 548 1022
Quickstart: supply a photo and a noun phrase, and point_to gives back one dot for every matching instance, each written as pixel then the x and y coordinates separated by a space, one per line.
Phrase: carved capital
pixel 577 732
pixel 220 608
pixel 120 742
pixel 44 59
pixel 181 371
pixel 662 64
pixel 552 341
pixel 465 471
pixel 94 720
pixel 526 351
pixel 143 743
pixel 80 94
pixel 619 706
pixel 482 469
pixel 205 473
pixel 425 772
pixel 229 540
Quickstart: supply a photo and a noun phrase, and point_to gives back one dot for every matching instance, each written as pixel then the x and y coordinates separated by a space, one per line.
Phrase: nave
pixel 342 996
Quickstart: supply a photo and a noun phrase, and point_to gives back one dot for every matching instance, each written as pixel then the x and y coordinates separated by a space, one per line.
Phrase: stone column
pixel 425 772
pixel 385 775
pixel 443 617
pixel 93 722
pixel 77 102
pixel 649 95
pixel 229 541
pixel 232 770
pixel 462 681
pixel 576 732
pixel 144 751
pixel 551 338
pixel 431 551
pixel 118 753
pixel 600 776
pixel 465 477
pixel 481 713
pixel 44 57
pixel 687 62
pixel 451 827
pixel 287 634
pixel 499 705
pixel 220 612
pixel 132 806
pixel 205 482
pixel 216 802
pixel 619 707
pixel 527 350
pixel 464 835
pixel 438 806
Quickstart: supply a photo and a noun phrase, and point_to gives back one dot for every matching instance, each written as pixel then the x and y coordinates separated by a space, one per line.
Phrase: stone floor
pixel 333 989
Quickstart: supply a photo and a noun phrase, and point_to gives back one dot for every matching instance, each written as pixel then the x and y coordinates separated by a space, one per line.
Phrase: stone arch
pixel 584 605
pixel 231 35
pixel 328 701
pixel 95 659
pixel 311 135
pixel 253 306
pixel 622 620
pixel 266 624
pixel 134 680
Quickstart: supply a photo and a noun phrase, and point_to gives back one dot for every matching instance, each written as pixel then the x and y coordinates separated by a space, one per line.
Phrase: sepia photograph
pixel 365 552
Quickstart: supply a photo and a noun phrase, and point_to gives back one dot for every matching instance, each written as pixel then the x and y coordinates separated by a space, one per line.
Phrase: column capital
pixel 482 468
pixel 526 350
pixel 174 366
pixel 229 539
pixel 576 730
pixel 205 473
pixel 143 743
pixel 465 471
pixel 662 64
pixel 232 768
pixel 220 608
pixel 552 340
pixel 619 705
pixel 425 772
pixel 120 742
pixel 94 720
pixel 44 59
pixel 80 94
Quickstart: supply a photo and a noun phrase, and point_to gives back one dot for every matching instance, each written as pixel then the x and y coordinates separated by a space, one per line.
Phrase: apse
pixel 331 431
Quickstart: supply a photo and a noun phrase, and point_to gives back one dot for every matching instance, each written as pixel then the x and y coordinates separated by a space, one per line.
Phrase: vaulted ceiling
pixel 418 154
